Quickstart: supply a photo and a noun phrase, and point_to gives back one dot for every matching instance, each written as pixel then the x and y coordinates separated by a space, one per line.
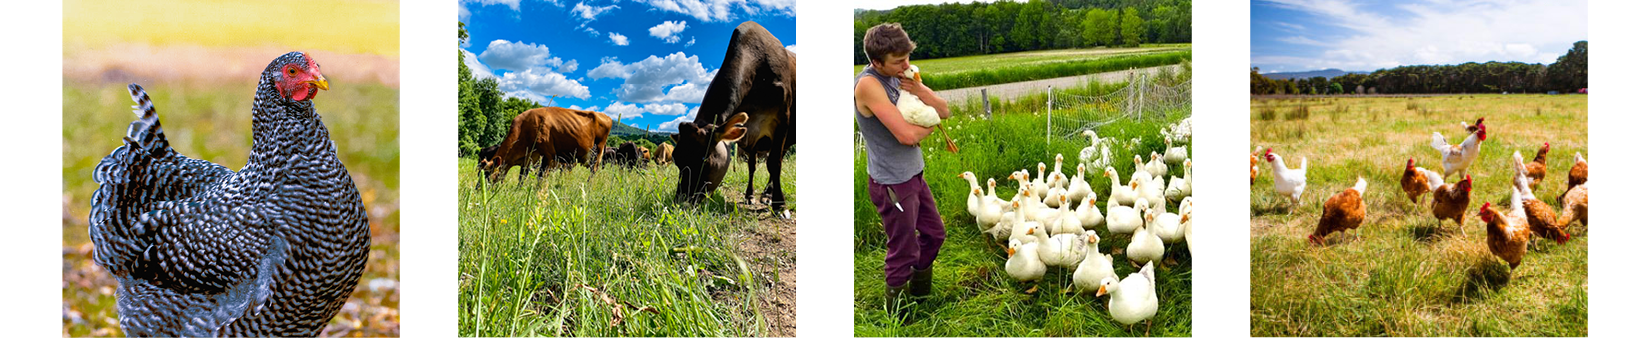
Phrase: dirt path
pixel 770 249
pixel 1018 89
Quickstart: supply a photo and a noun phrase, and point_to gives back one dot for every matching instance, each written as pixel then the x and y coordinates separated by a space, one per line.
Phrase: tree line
pixel 484 113
pixel 1566 75
pixel 955 29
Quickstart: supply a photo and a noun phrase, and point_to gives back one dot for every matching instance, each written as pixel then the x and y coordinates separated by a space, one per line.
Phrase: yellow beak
pixel 319 82
pixel 1102 291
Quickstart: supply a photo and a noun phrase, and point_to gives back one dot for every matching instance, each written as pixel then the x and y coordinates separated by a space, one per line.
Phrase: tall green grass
pixel 972 296
pixel 1400 274
pixel 530 254
pixel 214 122
pixel 1048 70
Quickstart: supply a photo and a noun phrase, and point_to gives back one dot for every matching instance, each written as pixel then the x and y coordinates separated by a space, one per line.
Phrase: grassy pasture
pixel 983 70
pixel 545 257
pixel 1400 274
pixel 972 296
pixel 214 122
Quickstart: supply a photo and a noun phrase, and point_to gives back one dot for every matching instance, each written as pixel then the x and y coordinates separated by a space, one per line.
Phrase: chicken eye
pixel 292 71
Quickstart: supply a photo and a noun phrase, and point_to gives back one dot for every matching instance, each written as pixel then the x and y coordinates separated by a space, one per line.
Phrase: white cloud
pixel 538 83
pixel 791 48
pixel 592 31
pixel 673 125
pixel 518 56
pixel 721 10
pixel 670 31
pixel 568 67
pixel 690 42
pixel 1362 36
pixel 589 13
pixel 646 80
pixel 478 70
pixel 627 110
pixel 618 39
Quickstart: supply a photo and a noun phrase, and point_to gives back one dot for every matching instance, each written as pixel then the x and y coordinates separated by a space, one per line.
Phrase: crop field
pixel 983 70
pixel 972 295
pixel 214 122
pixel 1401 274
pixel 610 254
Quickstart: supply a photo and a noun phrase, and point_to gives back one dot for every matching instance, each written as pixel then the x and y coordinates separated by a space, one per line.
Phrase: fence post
pixel 985 101
pixel 1048 120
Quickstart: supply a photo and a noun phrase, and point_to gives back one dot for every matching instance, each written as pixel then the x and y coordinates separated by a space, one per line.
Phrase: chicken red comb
pixel 1411 162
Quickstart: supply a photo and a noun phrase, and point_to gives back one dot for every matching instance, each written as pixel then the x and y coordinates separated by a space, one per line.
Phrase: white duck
pixel 1134 298
pixel 1064 250
pixel 1040 186
pixel 974 193
pixel 1178 187
pixel 1152 191
pixel 1125 219
pixel 1095 268
pixel 1021 227
pixel 1079 188
pixel 1171 153
pixel 1156 166
pixel 1145 246
pixel 1166 226
pixel 1140 170
pixel 1120 194
pixel 1067 222
pixel 1088 214
pixel 1023 263
pixel 1059 162
pixel 1052 199
pixel 991 206
pixel 1098 153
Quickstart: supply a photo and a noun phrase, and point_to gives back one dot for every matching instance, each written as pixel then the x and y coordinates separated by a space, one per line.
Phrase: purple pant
pixel 915 230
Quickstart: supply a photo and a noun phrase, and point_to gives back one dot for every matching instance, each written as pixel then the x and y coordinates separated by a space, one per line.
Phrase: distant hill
pixel 1327 73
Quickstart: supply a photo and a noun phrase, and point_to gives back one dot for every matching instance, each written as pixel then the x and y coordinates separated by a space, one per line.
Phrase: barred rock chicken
pixel 1450 201
pixel 1506 234
pixel 1457 157
pixel 1574 205
pixel 1415 181
pixel 1343 212
pixel 199 250
pixel 1543 222
pixel 1578 172
pixel 1537 170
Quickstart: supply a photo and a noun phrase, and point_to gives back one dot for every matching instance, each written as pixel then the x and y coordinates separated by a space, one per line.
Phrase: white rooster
pixel 1457 157
pixel 1288 182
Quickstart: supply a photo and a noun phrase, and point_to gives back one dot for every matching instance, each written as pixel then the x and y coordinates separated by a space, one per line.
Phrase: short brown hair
pixel 887 38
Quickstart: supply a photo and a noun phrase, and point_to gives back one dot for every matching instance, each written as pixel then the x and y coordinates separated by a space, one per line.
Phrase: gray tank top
pixel 888 162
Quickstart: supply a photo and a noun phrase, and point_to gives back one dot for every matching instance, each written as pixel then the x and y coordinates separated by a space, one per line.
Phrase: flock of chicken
pixel 1508 233
pixel 1052 221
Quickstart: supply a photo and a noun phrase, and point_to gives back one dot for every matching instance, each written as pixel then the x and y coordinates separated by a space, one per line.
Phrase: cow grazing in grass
pixel 751 101
pixel 661 153
pixel 628 155
pixel 553 137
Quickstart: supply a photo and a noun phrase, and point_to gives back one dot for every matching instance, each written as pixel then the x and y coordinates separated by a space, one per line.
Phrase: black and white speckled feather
pixel 273 249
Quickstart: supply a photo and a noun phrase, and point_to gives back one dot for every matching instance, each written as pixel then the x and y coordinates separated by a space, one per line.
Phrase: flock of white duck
pixel 1052 220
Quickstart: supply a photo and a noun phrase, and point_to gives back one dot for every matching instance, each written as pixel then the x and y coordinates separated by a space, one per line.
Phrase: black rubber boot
pixel 922 283
pixel 897 300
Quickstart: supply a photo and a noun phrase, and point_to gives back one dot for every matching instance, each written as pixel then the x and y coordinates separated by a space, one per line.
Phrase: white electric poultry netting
pixel 1144 98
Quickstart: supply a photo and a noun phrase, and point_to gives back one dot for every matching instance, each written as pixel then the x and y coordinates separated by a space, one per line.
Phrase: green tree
pixel 1131 27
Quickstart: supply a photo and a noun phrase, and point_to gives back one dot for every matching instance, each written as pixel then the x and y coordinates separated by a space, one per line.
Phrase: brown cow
pixel 551 135
pixel 661 153
pixel 752 101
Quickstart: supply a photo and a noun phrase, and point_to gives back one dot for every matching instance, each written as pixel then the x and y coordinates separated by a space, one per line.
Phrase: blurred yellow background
pixel 200 61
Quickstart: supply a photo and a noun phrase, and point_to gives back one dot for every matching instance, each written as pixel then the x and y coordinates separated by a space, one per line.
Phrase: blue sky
pixel 648 61
pixel 1303 35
